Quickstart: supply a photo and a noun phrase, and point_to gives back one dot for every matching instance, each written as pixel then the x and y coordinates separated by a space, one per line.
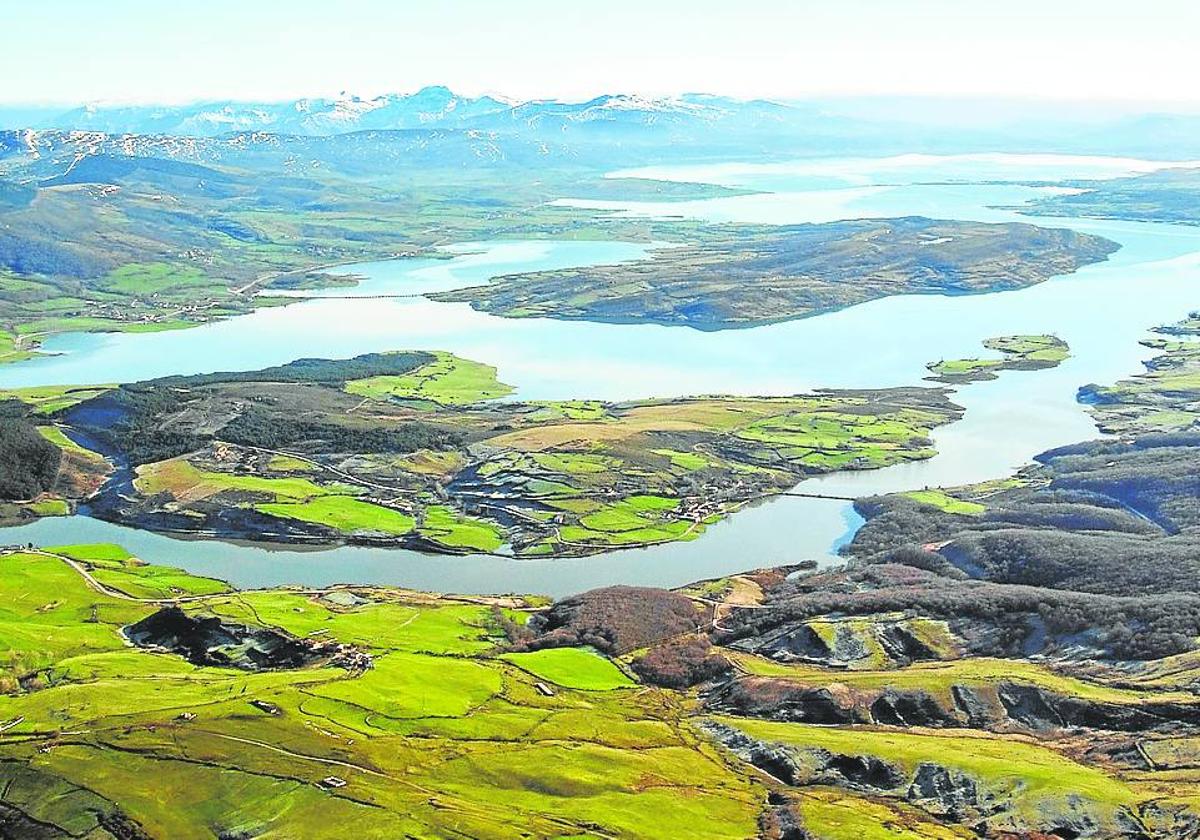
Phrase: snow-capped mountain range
pixel 436 125
pixel 430 107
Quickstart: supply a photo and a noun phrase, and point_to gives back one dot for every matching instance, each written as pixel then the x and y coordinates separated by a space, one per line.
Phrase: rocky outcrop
pixel 208 640
pixel 951 795
pixel 1028 705
pixel 1171 822
pixel 781 821
pixel 1039 709
pixel 948 794
pixel 835 704
pixel 878 642
pixel 977 706
pixel 797 643
pixel 808 766
pixel 863 772
pixel 904 646
pixel 910 708
pixel 1000 707
pixel 785 701
pixel 773 759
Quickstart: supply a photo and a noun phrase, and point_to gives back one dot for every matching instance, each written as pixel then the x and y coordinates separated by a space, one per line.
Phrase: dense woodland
pixel 681 663
pixel 317 371
pixel 130 419
pixel 28 462
pixel 1107 517
pixel 615 619
pixel 994 619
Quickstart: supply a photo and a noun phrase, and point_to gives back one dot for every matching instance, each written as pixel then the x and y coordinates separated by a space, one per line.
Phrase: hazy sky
pixel 166 51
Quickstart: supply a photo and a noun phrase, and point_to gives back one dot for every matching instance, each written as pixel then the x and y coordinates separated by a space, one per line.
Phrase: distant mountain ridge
pixel 430 107
pixel 435 126
pixel 432 127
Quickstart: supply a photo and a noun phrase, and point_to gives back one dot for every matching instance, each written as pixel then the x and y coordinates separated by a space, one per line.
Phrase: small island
pixel 1020 352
